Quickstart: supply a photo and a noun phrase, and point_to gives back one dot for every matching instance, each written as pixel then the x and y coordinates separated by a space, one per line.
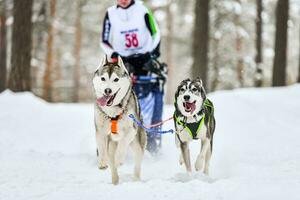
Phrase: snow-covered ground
pixel 47 151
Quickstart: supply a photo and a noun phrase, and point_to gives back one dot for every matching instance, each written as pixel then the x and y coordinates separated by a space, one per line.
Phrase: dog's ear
pixel 203 92
pixel 198 80
pixel 106 59
pixel 120 61
pixel 184 82
pixel 102 63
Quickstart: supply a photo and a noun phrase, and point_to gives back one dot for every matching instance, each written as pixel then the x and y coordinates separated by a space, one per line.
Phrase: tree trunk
pixel 238 47
pixel 76 77
pixel 20 79
pixel 215 47
pixel 201 40
pixel 299 60
pixel 280 59
pixel 258 58
pixel 38 44
pixel 57 76
pixel 3 69
pixel 47 87
pixel 169 44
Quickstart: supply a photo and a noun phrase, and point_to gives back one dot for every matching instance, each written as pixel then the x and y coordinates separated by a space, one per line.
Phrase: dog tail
pixel 141 133
pixel 212 130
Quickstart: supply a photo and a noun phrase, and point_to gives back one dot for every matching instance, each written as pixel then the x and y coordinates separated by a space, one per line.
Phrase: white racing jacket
pixel 130 30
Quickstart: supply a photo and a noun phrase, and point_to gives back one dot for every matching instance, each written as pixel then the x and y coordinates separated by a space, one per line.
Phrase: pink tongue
pixel 103 100
pixel 192 106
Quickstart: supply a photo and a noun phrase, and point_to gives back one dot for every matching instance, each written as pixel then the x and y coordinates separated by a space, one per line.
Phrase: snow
pixel 47 151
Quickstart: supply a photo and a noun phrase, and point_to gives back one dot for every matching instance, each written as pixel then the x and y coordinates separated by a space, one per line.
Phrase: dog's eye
pixel 102 79
pixel 181 90
pixel 194 89
pixel 116 80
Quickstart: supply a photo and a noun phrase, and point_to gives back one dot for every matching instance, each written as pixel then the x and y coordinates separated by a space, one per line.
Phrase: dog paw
pixel 206 171
pixel 181 161
pixel 115 180
pixel 199 164
pixel 102 165
pixel 136 178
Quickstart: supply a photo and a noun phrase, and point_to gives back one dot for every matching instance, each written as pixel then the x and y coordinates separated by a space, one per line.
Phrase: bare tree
pixel 38 43
pixel 20 79
pixel 216 45
pixel 3 70
pixel 169 52
pixel 258 57
pixel 238 46
pixel 299 61
pixel 57 70
pixel 201 40
pixel 47 87
pixel 280 59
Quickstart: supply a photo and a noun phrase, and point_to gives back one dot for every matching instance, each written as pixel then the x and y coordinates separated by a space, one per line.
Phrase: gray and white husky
pixel 194 119
pixel 115 131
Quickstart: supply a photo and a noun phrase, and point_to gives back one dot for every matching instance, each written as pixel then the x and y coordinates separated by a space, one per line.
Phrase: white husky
pixel 115 131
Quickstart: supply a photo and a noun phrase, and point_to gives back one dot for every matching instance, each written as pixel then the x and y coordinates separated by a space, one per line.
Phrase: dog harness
pixel 191 128
pixel 114 124
pixel 194 128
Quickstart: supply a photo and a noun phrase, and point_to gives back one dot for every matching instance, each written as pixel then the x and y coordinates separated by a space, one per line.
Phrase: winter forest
pixel 231 44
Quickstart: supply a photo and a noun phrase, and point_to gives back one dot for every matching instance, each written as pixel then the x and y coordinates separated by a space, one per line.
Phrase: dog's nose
pixel 107 91
pixel 186 97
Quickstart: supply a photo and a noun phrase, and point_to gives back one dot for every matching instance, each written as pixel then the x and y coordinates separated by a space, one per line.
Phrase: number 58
pixel 131 40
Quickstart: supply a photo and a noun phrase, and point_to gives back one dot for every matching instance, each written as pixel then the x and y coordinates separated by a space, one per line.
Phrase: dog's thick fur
pixel 113 89
pixel 189 108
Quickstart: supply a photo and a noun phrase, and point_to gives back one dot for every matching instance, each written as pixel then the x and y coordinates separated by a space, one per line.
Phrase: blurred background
pixel 229 43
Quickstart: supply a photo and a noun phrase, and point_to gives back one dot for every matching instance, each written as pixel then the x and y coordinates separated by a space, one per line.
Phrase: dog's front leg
pixel 102 150
pixel 185 151
pixel 112 146
pixel 138 156
pixel 122 150
pixel 205 145
pixel 207 160
pixel 178 142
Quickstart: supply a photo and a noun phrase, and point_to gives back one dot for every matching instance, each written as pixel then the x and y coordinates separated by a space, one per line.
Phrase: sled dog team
pixel 116 132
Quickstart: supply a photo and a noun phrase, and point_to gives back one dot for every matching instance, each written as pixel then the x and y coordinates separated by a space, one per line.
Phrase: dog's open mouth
pixel 189 106
pixel 107 100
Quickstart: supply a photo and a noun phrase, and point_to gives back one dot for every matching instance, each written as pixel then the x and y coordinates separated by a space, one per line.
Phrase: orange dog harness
pixel 114 124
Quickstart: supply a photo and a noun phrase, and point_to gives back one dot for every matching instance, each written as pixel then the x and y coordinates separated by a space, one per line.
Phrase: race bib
pixel 131 39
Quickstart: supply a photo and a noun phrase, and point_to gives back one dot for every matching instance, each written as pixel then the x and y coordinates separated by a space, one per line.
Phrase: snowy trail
pixel 47 151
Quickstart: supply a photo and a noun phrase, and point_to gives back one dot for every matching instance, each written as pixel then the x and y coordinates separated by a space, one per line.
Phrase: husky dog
pixel 115 131
pixel 194 119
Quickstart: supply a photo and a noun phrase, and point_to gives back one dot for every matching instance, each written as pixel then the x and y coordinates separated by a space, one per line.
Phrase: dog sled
pixel 148 77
